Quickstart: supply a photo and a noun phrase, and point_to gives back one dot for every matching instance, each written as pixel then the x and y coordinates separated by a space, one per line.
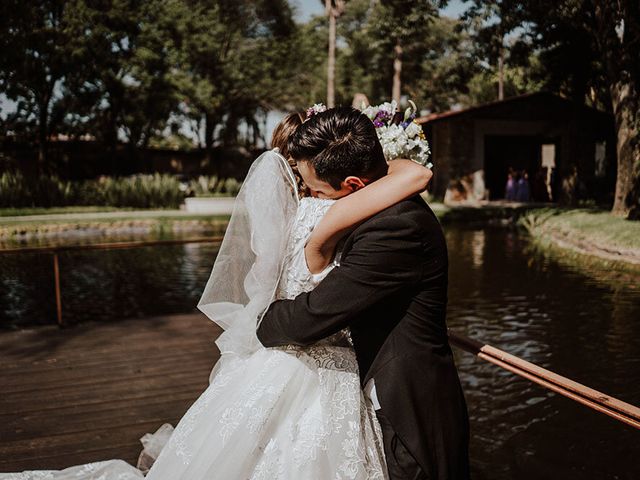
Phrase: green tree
pixel 437 62
pixel 229 62
pixel 400 27
pixel 495 28
pixel 447 69
pixel 603 67
pixel 34 60
pixel 122 86
pixel 333 9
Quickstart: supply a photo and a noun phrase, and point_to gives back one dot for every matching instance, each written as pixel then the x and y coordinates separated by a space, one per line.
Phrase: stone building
pixel 570 146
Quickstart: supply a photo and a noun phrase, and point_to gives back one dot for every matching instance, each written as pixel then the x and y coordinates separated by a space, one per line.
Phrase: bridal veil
pixel 249 264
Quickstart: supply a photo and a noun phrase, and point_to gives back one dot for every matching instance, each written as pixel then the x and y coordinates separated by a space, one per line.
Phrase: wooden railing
pixel 589 397
pixel 594 399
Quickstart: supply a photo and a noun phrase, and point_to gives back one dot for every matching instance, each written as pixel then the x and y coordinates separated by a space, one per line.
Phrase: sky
pixel 308 8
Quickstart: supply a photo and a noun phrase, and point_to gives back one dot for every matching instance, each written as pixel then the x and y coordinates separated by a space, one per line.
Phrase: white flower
pixel 399 142
pixel 389 107
pixel 370 112
pixel 413 130
pixel 315 109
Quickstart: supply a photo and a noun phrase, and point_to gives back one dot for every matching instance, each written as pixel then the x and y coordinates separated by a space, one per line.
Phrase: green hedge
pixel 211 187
pixel 140 191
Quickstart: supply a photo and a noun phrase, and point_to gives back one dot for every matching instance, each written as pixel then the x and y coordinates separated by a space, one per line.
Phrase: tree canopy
pixel 141 73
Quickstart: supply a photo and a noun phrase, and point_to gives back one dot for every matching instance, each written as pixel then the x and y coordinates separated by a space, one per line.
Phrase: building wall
pixel 458 141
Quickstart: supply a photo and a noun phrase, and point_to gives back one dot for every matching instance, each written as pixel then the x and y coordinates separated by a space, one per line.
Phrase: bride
pixel 274 413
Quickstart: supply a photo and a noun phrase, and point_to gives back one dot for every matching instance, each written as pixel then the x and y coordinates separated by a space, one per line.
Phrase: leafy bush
pixel 19 191
pixel 213 187
pixel 139 191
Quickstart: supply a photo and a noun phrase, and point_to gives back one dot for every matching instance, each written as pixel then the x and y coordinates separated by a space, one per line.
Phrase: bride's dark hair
pixel 280 140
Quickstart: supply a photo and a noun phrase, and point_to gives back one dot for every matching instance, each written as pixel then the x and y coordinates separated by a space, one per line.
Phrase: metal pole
pixel 56 275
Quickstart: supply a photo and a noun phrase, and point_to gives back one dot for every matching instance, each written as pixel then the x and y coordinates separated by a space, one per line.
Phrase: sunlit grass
pixel 153 223
pixel 593 226
pixel 18 212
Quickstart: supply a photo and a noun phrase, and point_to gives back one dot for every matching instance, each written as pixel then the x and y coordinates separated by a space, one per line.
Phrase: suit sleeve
pixel 385 258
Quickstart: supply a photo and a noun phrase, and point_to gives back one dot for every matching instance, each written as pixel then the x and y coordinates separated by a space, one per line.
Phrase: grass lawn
pixel 155 216
pixel 597 227
pixel 18 212
pixel 17 223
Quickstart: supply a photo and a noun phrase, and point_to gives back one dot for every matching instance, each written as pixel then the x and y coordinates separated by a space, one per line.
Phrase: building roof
pixel 433 117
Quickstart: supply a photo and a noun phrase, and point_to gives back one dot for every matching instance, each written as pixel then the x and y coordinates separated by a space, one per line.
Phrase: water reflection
pixel 502 291
pixel 554 315
pixel 105 284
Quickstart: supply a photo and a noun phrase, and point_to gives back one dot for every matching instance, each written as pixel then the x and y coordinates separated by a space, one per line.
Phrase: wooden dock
pixel 88 393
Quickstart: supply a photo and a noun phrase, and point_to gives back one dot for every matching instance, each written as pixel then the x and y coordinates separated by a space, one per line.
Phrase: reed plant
pixel 212 186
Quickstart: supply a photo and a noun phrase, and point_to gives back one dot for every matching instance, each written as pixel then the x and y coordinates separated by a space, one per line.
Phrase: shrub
pixel 213 187
pixel 43 191
pixel 139 191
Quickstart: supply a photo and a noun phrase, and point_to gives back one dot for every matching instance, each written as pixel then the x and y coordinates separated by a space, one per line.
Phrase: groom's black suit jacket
pixel 391 290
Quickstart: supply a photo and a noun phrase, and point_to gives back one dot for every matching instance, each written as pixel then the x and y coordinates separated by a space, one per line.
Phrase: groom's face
pixel 321 189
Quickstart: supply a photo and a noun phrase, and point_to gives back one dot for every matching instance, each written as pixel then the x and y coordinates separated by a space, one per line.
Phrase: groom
pixel 390 289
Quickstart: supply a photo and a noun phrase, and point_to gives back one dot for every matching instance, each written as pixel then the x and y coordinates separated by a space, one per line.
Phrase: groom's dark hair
pixel 339 142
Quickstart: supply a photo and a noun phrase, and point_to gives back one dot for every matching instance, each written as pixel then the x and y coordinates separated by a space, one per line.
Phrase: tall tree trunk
pixel 501 71
pixel 209 126
pixel 397 72
pixel 331 62
pixel 618 35
pixel 626 102
pixel 115 160
pixel 230 131
pixel 43 127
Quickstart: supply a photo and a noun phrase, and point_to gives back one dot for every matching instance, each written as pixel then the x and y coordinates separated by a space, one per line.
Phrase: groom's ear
pixel 353 183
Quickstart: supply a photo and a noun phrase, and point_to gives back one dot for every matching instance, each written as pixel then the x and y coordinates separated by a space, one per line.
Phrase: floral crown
pixel 316 109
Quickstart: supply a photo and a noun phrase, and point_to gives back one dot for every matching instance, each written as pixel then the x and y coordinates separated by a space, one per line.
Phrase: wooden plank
pixel 102 357
pixel 114 433
pixel 102 375
pixel 65 374
pixel 39 424
pixel 143 393
pixel 89 393
pixel 121 404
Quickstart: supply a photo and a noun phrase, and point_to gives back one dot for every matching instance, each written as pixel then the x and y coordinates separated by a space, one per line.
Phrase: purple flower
pixel 382 116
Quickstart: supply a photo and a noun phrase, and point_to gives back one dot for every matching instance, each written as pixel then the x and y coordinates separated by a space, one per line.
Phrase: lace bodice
pixel 296 277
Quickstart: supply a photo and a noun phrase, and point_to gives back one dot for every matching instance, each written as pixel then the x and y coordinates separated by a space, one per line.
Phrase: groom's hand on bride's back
pixel 390 252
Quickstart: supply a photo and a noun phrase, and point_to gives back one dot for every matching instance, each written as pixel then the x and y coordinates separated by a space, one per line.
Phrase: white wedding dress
pixel 281 413
pixel 274 413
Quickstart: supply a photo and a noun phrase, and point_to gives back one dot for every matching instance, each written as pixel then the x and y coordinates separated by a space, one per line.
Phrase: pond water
pixel 580 321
